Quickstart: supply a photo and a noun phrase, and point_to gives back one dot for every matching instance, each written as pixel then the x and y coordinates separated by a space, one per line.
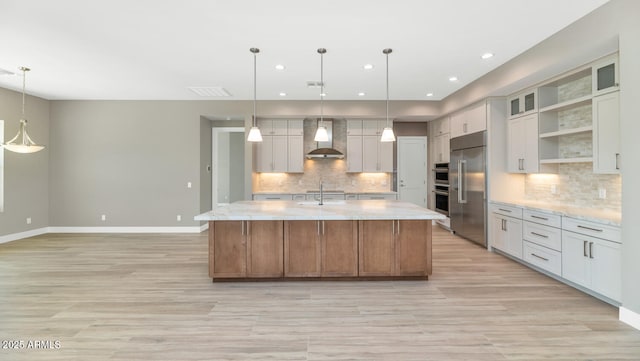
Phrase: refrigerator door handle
pixel 462 165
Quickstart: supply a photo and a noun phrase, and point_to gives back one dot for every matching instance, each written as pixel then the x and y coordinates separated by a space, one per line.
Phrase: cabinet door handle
pixel 590 229
pixel 539 235
pixel 248 228
pixel 505 224
pixel 242 227
pixel 540 257
pixel 464 127
pixel 538 217
pixel 617 160
pixel 323 227
pixel 584 249
pixel 393 227
pixel 590 249
pixel 398 226
pixel 318 226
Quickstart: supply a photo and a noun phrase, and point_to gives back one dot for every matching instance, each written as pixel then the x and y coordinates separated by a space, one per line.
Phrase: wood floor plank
pixel 149 297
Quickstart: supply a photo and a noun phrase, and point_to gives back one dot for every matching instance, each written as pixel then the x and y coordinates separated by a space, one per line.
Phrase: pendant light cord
pixel 321 87
pixel 24 86
pixel 255 122
pixel 387 53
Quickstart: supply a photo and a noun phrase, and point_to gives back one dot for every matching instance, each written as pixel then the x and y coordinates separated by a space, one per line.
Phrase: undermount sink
pixel 326 203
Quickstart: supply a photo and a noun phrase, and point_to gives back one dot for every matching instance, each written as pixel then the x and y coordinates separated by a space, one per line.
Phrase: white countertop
pixel 588 214
pixel 331 210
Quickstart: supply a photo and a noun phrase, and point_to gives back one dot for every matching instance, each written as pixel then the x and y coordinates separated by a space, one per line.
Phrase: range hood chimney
pixel 325 149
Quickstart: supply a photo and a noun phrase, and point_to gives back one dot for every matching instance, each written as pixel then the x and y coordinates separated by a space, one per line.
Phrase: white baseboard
pixel 45 230
pixel 195 229
pixel 25 234
pixel 629 317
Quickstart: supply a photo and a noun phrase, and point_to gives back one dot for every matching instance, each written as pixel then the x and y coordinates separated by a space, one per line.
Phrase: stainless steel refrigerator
pixel 467 200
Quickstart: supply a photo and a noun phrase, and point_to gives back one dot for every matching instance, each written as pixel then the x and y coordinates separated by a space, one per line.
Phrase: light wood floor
pixel 148 297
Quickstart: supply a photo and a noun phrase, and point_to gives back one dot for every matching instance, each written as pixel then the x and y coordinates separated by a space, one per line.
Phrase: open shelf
pixel 572 103
pixel 567 132
pixel 566 160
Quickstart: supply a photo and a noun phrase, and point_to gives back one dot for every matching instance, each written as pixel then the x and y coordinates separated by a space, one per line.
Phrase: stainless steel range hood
pixel 325 149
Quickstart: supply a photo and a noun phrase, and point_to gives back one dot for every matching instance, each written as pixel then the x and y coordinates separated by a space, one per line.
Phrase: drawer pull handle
pixel 504 210
pixel 538 217
pixel 539 235
pixel 540 257
pixel 589 228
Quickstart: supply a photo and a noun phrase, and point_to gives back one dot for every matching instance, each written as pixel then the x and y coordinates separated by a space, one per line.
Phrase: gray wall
pixel 627 12
pixel 26 176
pixel 205 165
pixel 236 166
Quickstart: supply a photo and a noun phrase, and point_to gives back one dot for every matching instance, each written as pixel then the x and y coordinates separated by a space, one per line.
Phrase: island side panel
pixel 339 248
pixel 227 249
pixel 265 242
pixel 413 248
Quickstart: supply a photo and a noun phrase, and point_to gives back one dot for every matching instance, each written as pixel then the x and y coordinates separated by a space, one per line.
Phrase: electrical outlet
pixel 188 184
pixel 602 193
pixel 179 218
pixel 103 217
pixel 28 220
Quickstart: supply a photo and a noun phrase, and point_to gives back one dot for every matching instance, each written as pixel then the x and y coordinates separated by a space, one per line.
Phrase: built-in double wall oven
pixel 441 187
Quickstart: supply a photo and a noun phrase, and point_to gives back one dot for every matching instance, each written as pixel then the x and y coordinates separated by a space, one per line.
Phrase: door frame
pixel 215 131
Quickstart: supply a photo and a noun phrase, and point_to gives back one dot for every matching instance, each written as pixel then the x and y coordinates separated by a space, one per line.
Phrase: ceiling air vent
pixel 210 91
pixel 314 84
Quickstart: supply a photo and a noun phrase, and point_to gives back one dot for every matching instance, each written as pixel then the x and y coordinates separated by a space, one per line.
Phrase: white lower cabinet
pixel 592 262
pixel 506 231
pixel 582 252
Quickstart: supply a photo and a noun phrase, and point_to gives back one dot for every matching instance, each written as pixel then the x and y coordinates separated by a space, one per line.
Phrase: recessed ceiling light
pixel 429 94
pixel 368 66
pixel 453 78
pixel 361 94
pixel 487 55
pixel 283 94
pixel 280 67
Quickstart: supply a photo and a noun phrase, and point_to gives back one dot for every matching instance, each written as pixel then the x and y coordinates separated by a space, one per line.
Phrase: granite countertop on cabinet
pixel 607 217
pixel 310 210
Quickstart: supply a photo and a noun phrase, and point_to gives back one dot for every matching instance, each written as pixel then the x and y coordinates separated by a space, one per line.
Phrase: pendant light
pixel 254 132
pixel 387 133
pixel 321 132
pixel 22 143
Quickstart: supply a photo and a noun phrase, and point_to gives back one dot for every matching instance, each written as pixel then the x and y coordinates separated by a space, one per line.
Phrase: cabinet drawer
pixel 351 197
pixel 547 219
pixel 549 237
pixel 593 229
pixel 299 197
pixel 542 257
pixel 505 210
pixel 366 196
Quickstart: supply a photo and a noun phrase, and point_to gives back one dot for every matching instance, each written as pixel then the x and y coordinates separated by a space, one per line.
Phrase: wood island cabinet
pixel 395 248
pixel 321 249
pixel 239 249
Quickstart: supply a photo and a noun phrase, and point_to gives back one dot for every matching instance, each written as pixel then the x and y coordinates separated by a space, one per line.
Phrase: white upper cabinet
pixel 606 133
pixel 282 148
pixel 469 120
pixel 440 126
pixel 373 126
pixel 354 127
pixel 606 76
pixel 365 152
pixel 523 103
pixel 522 144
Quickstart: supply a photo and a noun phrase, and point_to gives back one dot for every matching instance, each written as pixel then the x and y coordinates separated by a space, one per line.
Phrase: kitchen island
pixel 366 239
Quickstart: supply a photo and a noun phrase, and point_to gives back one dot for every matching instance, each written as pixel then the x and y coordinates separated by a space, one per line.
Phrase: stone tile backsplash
pixel 576 185
pixel 332 172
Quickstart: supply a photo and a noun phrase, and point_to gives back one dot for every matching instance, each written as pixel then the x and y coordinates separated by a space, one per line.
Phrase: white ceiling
pixel 156 49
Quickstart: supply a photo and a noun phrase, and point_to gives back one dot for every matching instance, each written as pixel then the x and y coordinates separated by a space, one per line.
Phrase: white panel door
pixel 606 133
pixel 575 258
pixel 606 278
pixel 412 170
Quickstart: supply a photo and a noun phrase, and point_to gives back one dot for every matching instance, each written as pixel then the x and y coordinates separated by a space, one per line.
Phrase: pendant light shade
pixel 321 132
pixel 254 132
pixel 22 143
pixel 387 132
